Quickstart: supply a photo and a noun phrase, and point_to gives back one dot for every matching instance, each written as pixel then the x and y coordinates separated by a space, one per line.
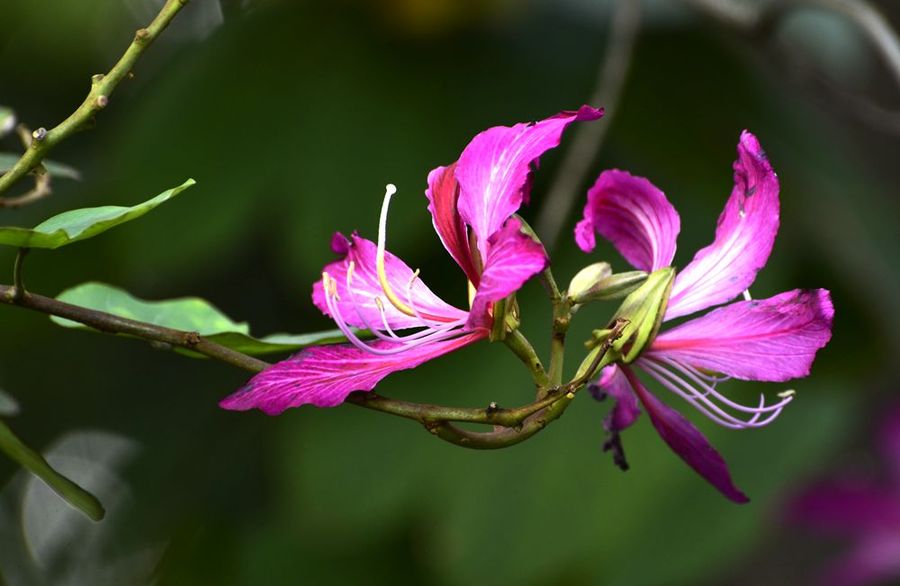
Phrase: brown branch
pixel 513 425
pixel 113 324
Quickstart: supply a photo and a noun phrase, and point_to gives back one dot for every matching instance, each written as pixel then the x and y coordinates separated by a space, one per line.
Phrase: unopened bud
pixel 7 120
pixel 597 283
pixel 644 309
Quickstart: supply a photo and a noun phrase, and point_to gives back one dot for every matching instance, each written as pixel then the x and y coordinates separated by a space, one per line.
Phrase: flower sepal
pixel 644 309
pixel 597 282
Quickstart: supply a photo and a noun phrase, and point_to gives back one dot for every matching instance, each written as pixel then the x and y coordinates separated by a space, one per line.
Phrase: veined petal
pixel 494 167
pixel 442 194
pixel 625 410
pixel 745 234
pixel 359 308
pixel 513 258
pixel 772 339
pixel 634 215
pixel 687 441
pixel 324 375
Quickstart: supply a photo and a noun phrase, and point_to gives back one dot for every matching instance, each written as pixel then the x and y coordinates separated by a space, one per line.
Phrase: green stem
pixel 102 87
pixel 37 465
pixel 523 349
pixel 562 315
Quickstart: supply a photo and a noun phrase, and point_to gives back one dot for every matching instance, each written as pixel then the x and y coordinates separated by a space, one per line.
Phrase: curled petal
pixel 324 375
pixel 745 234
pixel 634 215
pixel 773 339
pixel 687 441
pixel 625 411
pixel 442 194
pixel 366 288
pixel 494 167
pixel 513 258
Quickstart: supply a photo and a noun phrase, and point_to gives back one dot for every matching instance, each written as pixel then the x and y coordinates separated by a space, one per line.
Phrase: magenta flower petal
pixel 634 215
pixel 744 237
pixel 889 444
pixel 442 194
pixel 687 441
pixel 847 507
pixel 625 411
pixel 359 308
pixel 773 339
pixel 875 560
pixel 493 169
pixel 513 258
pixel 324 375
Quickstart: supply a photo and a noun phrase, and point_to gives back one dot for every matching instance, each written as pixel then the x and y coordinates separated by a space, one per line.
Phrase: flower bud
pixel 644 309
pixel 7 120
pixel 596 282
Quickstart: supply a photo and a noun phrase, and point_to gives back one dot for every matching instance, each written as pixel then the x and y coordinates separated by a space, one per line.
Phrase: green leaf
pixel 37 465
pixel 7 121
pixel 190 314
pixel 75 225
pixel 7 160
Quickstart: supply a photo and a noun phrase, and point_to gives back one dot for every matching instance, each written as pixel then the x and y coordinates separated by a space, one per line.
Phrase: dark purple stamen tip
pixel 614 444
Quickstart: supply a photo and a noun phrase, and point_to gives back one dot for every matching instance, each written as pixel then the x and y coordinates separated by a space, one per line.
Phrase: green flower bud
pixel 644 309
pixel 596 282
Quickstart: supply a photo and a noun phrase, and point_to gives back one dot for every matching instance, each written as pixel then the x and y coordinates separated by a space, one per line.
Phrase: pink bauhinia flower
pixel 774 339
pixel 472 203
pixel 862 511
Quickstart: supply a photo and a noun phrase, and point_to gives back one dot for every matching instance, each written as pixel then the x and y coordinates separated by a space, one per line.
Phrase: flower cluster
pixel 474 203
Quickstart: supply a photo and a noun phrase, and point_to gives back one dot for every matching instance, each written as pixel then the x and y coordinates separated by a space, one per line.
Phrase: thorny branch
pixel 41 187
pixel 102 86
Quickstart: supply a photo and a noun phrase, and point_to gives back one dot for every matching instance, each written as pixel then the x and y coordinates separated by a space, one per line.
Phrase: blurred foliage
pixel 292 117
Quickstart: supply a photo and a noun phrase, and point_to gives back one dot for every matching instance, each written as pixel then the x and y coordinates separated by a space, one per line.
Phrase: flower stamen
pixel 705 398
pixel 389 190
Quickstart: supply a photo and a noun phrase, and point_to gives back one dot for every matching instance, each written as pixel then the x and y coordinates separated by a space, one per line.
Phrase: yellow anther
pixel 330 285
pixel 472 292
pixel 379 304
pixel 787 393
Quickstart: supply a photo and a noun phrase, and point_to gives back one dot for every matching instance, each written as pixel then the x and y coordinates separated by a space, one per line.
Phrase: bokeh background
pixel 292 116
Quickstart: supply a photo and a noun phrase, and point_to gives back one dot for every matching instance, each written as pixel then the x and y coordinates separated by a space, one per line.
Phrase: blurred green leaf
pixel 37 465
pixel 75 225
pixel 190 314
pixel 8 404
pixel 7 160
pixel 7 121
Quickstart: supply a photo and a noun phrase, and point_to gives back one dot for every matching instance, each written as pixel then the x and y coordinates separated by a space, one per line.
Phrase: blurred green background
pixel 292 116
